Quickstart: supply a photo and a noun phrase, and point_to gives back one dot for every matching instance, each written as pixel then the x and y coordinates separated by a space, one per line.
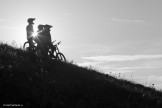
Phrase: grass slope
pixel 65 85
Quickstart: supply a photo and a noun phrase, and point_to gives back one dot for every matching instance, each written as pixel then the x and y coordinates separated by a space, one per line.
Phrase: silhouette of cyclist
pixel 40 29
pixel 30 31
pixel 39 38
pixel 47 34
pixel 46 37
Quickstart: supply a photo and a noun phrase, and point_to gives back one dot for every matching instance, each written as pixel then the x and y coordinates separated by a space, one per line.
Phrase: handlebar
pixel 54 41
pixel 57 43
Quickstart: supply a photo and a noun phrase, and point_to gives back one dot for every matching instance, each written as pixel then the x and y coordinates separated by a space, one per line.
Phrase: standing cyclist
pixel 30 31
pixel 47 41
pixel 38 39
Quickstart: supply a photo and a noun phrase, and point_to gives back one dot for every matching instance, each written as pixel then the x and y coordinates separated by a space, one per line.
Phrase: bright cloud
pixel 152 78
pixel 113 68
pixel 89 63
pixel 127 20
pixel 123 63
pixel 112 58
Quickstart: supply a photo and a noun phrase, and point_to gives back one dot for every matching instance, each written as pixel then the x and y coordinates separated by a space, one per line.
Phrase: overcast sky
pixel 117 36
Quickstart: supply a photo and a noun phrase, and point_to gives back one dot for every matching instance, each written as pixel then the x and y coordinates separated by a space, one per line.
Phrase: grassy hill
pixel 65 85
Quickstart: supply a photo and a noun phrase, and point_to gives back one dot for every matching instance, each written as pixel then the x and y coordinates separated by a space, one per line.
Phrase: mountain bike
pixel 54 52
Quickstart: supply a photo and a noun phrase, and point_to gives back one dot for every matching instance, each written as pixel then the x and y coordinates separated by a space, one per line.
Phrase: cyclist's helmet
pixel 40 27
pixel 30 20
pixel 48 26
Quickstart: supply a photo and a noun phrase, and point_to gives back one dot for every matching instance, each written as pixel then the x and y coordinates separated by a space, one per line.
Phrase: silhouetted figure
pixel 39 36
pixel 30 31
pixel 46 37
pixel 40 29
pixel 46 33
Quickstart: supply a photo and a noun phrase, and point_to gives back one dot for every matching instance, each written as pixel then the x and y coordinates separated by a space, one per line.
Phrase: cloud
pixel 152 78
pixel 84 64
pixel 123 63
pixel 113 58
pixel 115 69
pixel 127 20
pixel 132 68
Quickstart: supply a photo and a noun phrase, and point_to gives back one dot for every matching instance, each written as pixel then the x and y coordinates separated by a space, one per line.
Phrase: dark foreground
pixel 65 85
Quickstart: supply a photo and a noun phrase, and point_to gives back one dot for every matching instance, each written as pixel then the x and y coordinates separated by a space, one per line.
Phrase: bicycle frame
pixel 56 46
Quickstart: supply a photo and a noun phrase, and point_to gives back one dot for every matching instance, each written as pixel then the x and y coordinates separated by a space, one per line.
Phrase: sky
pixel 118 37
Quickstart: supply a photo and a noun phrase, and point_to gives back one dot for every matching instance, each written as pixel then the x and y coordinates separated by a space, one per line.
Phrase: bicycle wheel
pixel 60 57
pixel 26 45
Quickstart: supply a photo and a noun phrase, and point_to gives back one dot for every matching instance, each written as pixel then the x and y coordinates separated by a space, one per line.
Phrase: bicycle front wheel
pixel 60 57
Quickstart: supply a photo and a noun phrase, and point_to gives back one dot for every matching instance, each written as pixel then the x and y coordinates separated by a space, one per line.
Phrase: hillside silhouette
pixel 66 85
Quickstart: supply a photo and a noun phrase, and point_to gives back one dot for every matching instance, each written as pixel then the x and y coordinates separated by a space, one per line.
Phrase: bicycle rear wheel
pixel 60 57
pixel 26 45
